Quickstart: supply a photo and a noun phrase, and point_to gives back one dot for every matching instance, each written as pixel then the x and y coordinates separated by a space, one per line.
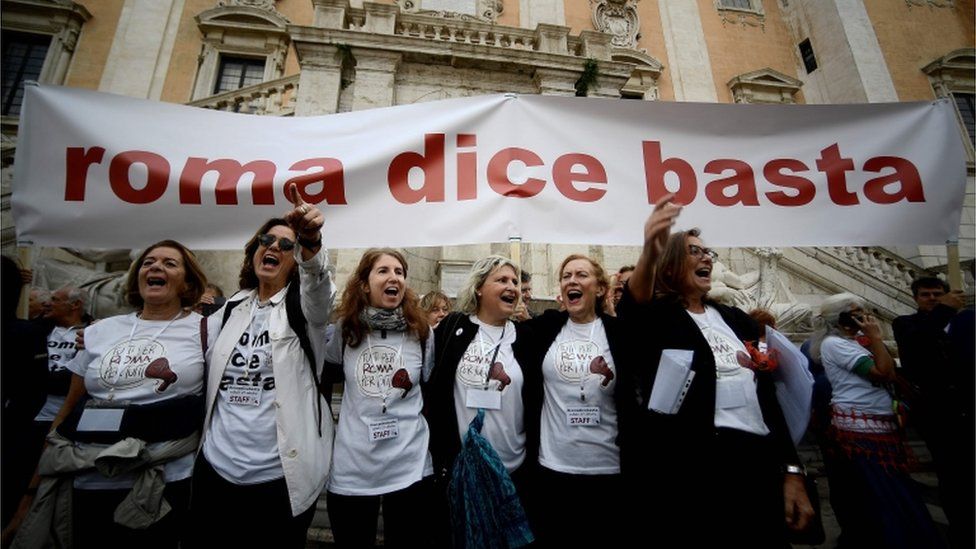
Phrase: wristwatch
pixel 795 469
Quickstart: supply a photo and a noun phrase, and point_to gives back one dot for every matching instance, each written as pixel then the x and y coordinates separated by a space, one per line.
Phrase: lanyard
pixel 494 355
pixel 583 366
pixel 369 351
pixel 128 344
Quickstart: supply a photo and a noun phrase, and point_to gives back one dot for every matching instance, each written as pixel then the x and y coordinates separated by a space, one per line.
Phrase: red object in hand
pixel 758 360
pixel 401 380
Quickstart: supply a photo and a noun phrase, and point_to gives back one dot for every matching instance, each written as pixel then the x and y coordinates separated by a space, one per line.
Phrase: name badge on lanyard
pixel 383 428
pixel 243 395
pixel 480 398
pixel 583 416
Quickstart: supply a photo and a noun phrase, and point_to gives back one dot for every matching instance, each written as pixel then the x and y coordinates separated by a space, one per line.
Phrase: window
pixel 23 59
pixel 737 4
pixel 964 102
pixel 238 72
pixel 809 59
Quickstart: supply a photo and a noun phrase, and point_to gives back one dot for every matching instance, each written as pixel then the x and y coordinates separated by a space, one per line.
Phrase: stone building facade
pixel 318 57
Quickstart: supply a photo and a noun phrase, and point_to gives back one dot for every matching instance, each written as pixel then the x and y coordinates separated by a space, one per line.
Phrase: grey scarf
pixel 384 319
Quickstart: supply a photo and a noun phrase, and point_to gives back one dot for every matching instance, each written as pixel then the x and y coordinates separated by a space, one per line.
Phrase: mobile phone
pixel 846 319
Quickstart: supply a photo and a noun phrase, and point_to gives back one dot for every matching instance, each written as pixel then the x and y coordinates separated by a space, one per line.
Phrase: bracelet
pixel 793 469
pixel 310 244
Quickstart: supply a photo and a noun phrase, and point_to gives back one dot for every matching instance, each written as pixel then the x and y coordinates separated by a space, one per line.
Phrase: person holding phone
pixel 867 459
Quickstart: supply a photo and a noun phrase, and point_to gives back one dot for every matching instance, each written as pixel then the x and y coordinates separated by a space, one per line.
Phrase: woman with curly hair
pixel 382 353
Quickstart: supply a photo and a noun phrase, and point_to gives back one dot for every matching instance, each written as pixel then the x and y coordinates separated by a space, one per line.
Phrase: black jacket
pixel 451 338
pixel 651 442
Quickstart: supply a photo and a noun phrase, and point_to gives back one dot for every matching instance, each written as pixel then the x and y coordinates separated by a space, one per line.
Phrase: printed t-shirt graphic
pixel 736 400
pixel 579 417
pixel 242 443
pixel 504 428
pixel 60 351
pixel 141 362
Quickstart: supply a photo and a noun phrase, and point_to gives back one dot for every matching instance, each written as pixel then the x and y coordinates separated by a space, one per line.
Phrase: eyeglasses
pixel 284 244
pixel 698 252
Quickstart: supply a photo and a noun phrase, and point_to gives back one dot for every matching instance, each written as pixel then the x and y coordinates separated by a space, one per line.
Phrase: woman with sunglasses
pixel 713 453
pixel 268 431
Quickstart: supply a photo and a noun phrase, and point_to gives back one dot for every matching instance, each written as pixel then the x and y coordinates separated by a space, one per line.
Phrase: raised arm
pixel 657 228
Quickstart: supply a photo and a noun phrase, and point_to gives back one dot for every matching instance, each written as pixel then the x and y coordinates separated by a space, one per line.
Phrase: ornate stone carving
pixel 762 289
pixel 619 19
pixel 484 10
pixel 764 86
pixel 268 5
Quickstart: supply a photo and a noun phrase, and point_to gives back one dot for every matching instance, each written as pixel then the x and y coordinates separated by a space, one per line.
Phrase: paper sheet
pixel 672 381
pixel 794 383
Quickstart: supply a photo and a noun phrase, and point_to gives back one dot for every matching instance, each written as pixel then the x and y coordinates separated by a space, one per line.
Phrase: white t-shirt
pixel 504 428
pixel 382 439
pixel 579 416
pixel 141 361
pixel 852 393
pixel 736 400
pixel 60 351
pixel 242 443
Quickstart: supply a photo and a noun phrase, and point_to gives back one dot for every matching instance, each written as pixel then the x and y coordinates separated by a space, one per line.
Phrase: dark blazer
pixel 547 326
pixel 451 338
pixel 685 439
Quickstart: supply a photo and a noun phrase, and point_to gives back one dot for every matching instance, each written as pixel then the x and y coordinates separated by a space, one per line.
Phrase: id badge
pixel 480 398
pixel 383 428
pixel 583 416
pixel 101 419
pixel 243 395
pixel 730 395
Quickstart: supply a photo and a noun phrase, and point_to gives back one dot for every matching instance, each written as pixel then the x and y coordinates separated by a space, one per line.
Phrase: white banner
pixel 102 171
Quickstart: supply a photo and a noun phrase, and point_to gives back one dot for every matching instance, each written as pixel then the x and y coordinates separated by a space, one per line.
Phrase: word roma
pixel 901 182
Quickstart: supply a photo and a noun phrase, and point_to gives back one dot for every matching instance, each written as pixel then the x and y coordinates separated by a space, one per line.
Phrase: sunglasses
pixel 284 244
pixel 698 252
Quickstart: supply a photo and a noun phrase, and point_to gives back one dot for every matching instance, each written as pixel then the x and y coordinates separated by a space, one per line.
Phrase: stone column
pixel 375 78
pixel 320 80
pixel 329 14
pixel 556 81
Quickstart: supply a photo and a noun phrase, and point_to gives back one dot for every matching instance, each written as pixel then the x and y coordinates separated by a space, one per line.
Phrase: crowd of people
pixel 638 410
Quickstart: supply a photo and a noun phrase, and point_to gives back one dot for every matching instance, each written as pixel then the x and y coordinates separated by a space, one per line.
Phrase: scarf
pixel 384 319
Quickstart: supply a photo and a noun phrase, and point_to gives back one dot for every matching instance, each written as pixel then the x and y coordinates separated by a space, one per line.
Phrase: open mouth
pixel 704 272
pixel 270 261
pixel 392 291
pixel 508 298
pixel 573 297
pixel 155 281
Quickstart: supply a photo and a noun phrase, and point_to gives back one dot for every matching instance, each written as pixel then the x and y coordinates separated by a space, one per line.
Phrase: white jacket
pixel 305 456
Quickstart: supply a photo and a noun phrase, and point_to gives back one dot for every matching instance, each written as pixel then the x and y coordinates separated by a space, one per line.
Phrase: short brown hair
pixel 599 272
pixel 194 278
pixel 432 298
pixel 763 318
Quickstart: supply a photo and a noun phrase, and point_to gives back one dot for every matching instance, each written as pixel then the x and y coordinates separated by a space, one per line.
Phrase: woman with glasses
pixel 268 430
pixel 701 431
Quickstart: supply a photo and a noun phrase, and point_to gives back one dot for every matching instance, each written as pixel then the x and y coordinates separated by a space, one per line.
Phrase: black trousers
pixel 406 515
pixel 94 525
pixel 224 514
pixel 579 510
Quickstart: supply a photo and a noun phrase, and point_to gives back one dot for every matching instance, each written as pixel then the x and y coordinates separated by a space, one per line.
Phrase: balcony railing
pixel 273 98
